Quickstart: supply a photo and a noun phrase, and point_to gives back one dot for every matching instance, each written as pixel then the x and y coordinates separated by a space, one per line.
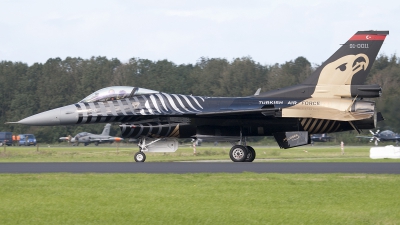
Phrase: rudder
pixel 106 130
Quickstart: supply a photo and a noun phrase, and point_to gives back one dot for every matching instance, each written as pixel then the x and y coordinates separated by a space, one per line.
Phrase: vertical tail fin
pixel 351 63
pixel 106 131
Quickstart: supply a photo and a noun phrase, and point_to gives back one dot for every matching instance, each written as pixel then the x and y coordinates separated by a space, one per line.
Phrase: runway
pixel 199 167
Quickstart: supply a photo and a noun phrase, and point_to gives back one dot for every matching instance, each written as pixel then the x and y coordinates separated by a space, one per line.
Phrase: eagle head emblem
pixel 343 69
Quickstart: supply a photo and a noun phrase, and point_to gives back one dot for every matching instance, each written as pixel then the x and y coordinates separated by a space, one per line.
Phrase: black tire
pixel 96 143
pixel 238 153
pixel 140 157
pixel 251 154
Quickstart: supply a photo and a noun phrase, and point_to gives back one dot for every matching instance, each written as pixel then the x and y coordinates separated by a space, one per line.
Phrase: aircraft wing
pixel 324 113
pixel 234 112
pixel 99 139
pixel 327 113
pixel 106 139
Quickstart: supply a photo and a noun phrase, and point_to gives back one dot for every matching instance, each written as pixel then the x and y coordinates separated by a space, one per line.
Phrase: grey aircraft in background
pixel 87 138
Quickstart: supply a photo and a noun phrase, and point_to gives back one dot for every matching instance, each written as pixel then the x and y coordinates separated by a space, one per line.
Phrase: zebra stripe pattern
pixel 126 109
pixel 318 126
pixel 153 130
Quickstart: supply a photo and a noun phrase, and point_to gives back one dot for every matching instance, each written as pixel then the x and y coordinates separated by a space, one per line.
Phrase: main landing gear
pixel 240 153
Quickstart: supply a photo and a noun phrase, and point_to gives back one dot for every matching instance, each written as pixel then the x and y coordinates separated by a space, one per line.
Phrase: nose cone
pixel 48 118
pixel 66 115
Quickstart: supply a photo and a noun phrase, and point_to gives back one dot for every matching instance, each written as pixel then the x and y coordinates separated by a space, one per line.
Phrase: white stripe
pixel 162 101
pixel 181 103
pixel 188 102
pixel 154 101
pixel 84 112
pixel 142 112
pixel 93 109
pixel 147 105
pixel 111 108
pixel 172 103
pixel 197 101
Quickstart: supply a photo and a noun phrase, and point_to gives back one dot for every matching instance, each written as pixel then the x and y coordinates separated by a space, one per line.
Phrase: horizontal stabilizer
pixel 379 117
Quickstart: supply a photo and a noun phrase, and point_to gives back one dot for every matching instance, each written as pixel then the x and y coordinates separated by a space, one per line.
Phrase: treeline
pixel 27 90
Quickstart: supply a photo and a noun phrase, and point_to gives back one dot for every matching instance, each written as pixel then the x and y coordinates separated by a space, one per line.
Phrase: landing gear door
pixel 292 139
pixel 164 145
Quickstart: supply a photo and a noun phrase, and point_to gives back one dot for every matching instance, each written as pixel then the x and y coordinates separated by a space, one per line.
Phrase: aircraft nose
pixel 66 115
pixel 48 118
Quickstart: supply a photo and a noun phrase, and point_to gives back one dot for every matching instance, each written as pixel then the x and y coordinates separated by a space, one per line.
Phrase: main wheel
pixel 140 157
pixel 251 155
pixel 238 153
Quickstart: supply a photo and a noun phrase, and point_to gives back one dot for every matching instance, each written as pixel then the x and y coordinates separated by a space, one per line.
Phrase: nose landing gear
pixel 140 157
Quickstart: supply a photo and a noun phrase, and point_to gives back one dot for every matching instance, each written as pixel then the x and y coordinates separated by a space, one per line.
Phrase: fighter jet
pixel 332 99
pixel 87 138
pixel 386 135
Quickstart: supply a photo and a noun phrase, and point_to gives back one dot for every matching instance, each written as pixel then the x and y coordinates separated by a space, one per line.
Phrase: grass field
pixel 124 153
pixel 245 198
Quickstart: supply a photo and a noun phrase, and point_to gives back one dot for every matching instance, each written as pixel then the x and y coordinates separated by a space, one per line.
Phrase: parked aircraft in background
pixel 386 135
pixel 330 100
pixel 87 138
pixel 320 138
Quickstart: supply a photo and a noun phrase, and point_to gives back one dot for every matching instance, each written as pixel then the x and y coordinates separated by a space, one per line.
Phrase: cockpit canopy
pixel 82 134
pixel 115 93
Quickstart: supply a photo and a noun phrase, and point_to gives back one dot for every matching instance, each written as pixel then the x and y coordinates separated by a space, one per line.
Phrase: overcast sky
pixel 183 31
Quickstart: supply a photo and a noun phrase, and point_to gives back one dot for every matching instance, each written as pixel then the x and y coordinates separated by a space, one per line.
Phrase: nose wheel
pixel 140 157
